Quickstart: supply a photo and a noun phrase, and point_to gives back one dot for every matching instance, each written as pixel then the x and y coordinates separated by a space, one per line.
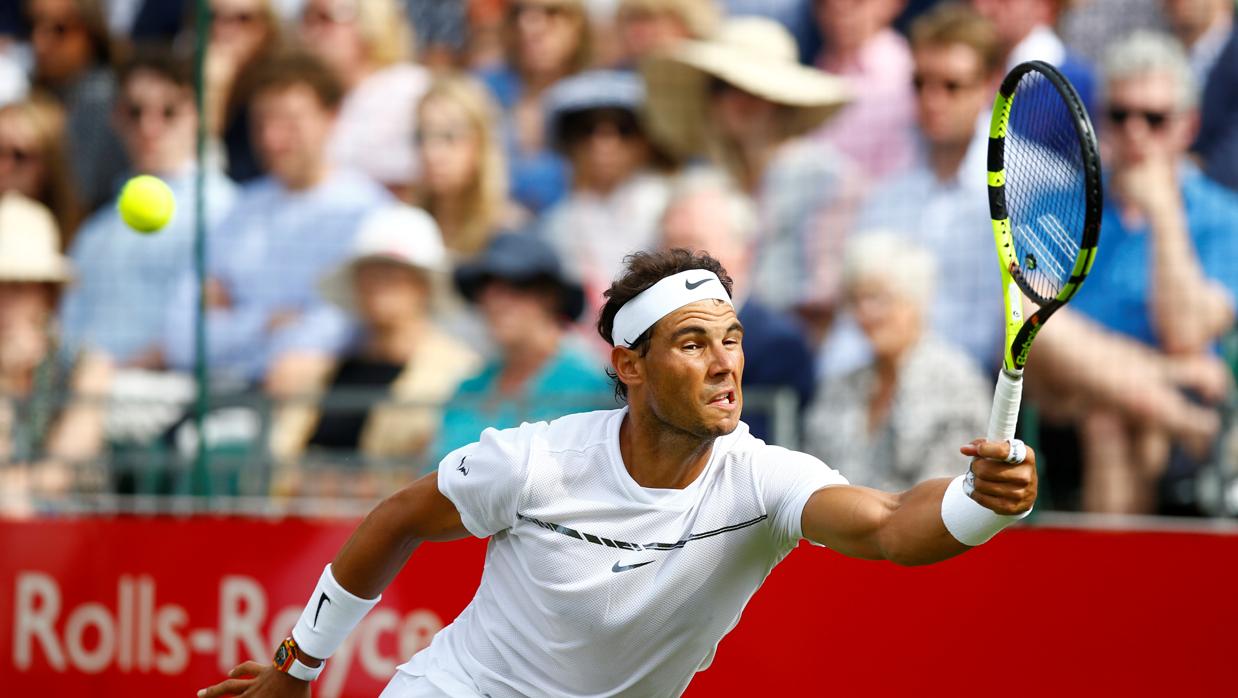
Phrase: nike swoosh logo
pixel 693 284
pixel 321 600
pixel 624 568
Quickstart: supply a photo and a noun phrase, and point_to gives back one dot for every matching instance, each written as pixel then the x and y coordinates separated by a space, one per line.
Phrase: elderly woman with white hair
pixel 901 418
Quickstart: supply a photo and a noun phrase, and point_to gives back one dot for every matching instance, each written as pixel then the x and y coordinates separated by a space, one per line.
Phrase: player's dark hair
pixel 298 67
pixel 642 270
pixel 159 59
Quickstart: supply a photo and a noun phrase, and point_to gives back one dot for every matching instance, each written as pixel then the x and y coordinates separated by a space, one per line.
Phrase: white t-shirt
pixel 596 586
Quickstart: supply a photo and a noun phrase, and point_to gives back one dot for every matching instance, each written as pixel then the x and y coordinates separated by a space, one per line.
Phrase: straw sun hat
pixel 30 243
pixel 755 54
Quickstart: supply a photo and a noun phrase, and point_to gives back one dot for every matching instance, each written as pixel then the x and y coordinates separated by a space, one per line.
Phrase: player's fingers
pixel 969 449
pixel 231 687
pixel 999 505
pixel 1007 491
pixel 1012 451
pixel 1007 473
pixel 250 668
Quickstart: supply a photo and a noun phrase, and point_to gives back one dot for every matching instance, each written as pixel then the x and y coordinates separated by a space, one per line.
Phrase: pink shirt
pixel 875 130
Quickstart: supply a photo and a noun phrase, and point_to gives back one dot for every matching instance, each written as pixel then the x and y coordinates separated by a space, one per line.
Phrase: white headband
pixel 662 299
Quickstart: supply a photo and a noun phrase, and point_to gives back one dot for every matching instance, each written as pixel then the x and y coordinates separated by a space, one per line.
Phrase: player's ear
pixel 629 365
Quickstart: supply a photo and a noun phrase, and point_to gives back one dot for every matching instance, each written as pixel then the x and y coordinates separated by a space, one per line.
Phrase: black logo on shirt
pixel 463 470
pixel 321 600
pixel 690 285
pixel 624 568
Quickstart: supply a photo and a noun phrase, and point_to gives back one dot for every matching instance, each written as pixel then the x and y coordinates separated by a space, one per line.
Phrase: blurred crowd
pixel 409 210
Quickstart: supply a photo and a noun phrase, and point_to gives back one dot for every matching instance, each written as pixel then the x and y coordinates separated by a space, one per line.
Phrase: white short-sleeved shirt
pixel 596 586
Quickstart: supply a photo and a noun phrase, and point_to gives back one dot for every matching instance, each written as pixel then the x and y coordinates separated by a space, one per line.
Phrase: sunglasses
pixel 240 18
pixel 1156 120
pixel 135 112
pixel 952 87
pixel 582 126
pixel 19 156
pixel 58 28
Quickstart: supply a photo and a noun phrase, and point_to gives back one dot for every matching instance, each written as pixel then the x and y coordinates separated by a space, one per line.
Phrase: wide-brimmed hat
pixel 754 54
pixel 397 233
pixel 520 259
pixel 592 89
pixel 30 242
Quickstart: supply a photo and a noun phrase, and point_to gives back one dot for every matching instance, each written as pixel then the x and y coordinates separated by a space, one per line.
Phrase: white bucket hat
pixel 755 54
pixel 30 242
pixel 397 233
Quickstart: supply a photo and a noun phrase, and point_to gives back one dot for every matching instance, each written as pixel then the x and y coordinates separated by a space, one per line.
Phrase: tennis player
pixel 624 544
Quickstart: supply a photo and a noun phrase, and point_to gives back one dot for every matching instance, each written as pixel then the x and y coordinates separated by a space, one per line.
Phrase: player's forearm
pixel 914 533
pixel 380 546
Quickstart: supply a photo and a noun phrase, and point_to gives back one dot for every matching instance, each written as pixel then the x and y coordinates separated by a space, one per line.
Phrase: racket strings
pixel 1045 187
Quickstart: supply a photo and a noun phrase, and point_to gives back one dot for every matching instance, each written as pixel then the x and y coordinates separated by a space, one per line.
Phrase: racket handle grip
pixel 1006 399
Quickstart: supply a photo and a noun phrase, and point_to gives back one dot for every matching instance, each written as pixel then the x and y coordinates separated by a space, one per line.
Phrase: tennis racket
pixel 1045 202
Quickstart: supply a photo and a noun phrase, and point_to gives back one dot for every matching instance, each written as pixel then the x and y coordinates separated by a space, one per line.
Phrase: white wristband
pixel 969 521
pixel 305 672
pixel 332 613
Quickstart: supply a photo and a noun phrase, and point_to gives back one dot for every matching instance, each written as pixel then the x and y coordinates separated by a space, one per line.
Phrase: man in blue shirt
pixel 285 232
pixel 1166 271
pixel 119 300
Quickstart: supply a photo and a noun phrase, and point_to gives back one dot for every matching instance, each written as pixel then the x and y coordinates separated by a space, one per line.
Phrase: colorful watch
pixel 288 660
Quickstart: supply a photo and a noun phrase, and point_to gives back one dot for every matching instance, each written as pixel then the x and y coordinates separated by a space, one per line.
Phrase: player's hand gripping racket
pixel 1045 201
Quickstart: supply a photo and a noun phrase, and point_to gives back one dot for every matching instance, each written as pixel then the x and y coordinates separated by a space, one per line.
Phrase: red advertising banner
pixel 163 606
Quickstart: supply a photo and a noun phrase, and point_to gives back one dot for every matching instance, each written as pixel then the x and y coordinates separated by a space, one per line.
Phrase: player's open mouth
pixel 724 400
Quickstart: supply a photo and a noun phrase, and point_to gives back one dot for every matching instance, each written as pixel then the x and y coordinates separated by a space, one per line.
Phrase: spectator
pixel 650 27
pixel 34 159
pixel 708 213
pixel 463 170
pixel 244 34
pixel 41 421
pixel 545 41
pixel 1207 28
pixel 1025 29
pixel 72 62
pixel 875 129
pixel 1088 27
pixel 389 284
pixel 299 220
pixel 617 194
pixel 1166 226
pixel 901 418
pixel 957 64
pixel 742 99
pixel 528 302
pixel 369 45
pixel 124 280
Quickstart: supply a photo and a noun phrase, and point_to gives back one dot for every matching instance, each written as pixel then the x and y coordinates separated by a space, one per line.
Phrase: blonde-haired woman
pixel 33 162
pixel 369 44
pixel 463 170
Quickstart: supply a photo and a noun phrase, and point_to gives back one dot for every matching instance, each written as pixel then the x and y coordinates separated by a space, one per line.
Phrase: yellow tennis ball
pixel 146 204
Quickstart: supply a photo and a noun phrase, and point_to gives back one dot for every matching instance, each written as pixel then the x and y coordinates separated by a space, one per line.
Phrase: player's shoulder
pixel 582 430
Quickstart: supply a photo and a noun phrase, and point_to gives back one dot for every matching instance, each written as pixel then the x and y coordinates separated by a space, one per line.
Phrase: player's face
pixel 693 369
pixel 951 92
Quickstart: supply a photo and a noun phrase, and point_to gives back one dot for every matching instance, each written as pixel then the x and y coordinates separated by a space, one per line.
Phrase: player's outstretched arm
pixel 909 528
pixel 367 563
